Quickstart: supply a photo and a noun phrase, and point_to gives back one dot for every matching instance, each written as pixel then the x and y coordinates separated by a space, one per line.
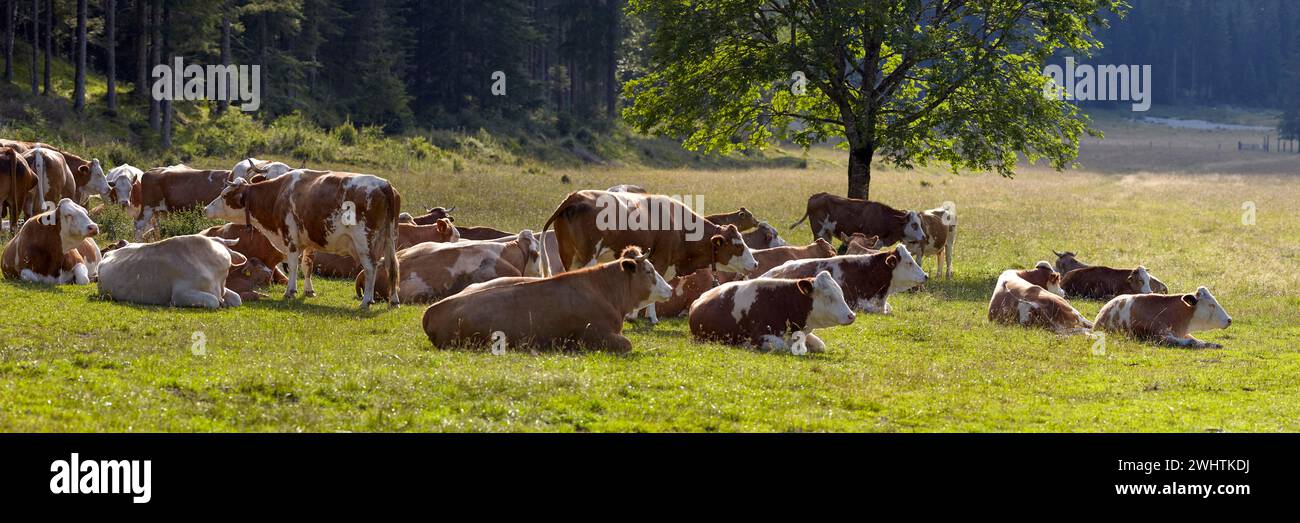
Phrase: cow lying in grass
pixel 866 279
pixel 771 314
pixel 51 247
pixel 432 271
pixel 577 309
pixel 1102 283
pixel 1018 301
pixel 182 271
pixel 1067 261
pixel 1165 318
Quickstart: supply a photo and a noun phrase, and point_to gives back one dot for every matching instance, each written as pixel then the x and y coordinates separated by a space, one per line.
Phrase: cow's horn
pixel 1058 255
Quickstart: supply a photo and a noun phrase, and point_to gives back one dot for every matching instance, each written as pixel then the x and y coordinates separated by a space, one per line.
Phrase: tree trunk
pixel 141 92
pixel 611 60
pixel 11 19
pixel 860 172
pixel 36 44
pixel 167 106
pixel 155 40
pixel 110 44
pixel 49 45
pixel 79 92
pixel 223 99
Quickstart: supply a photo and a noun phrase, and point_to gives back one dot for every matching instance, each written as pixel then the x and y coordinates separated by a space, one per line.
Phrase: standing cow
pixel 306 211
pixel 17 179
pixel 940 228
pixel 832 216
pixel 175 188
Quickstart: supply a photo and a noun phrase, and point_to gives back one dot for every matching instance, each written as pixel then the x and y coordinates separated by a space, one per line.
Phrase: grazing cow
pixel 771 314
pixel 867 279
pixel 860 243
pixel 1165 318
pixel 1018 301
pixel 742 219
pixel 253 245
pixel 431 216
pixel 832 216
pixel 175 188
pixel 1101 283
pixel 763 237
pixel 595 301
pixel 432 271
pixel 1043 276
pixel 17 179
pixel 181 271
pixel 637 189
pixel 1066 262
pixel 54 179
pixel 121 181
pixel 940 227
pixel 247 280
pixel 306 211
pixel 408 235
pixel 47 249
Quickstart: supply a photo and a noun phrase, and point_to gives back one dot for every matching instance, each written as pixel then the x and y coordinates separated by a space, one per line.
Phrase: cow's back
pixel 149 272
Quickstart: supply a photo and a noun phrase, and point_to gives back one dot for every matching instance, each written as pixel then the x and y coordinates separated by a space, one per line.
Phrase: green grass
pixel 73 363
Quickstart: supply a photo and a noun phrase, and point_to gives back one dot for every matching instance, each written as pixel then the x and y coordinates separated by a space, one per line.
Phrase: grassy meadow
pixel 70 362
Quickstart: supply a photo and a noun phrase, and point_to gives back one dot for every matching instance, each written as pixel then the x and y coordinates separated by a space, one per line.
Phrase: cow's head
pixel 913 232
pixel 438 213
pixel 731 253
pixel 254 271
pixel 528 243
pixel 119 188
pixel 113 247
pixel 1207 314
pixel 644 282
pixel 446 231
pixel 1139 281
pixel 232 204
pixel 828 305
pixel 1066 262
pixel 820 248
pixel 98 184
pixel 765 237
pixel 745 220
pixel 1053 278
pixel 74 223
pixel 904 270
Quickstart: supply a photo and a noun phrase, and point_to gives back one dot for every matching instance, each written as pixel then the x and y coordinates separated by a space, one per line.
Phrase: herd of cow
pixel 571 285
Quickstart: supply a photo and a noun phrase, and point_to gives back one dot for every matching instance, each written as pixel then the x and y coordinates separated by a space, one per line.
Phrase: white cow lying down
pixel 183 271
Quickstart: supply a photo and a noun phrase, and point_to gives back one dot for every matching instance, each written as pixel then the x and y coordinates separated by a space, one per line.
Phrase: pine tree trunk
pixel 223 99
pixel 611 60
pixel 49 44
pixel 141 91
pixel 79 92
pixel 165 22
pixel 155 41
pixel 11 19
pixel 110 43
pixel 860 172
pixel 36 44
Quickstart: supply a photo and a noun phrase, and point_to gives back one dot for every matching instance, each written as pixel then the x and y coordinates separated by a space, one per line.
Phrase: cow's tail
pixel 546 265
pixel 390 241
pixel 805 217
pixel 42 183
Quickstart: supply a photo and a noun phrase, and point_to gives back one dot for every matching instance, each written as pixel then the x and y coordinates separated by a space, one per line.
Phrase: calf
pixel 1165 318
pixel 867 279
pixel 860 243
pixel 181 271
pixel 306 211
pixel 596 300
pixel 432 271
pixel 1043 276
pixel 771 314
pixel 763 237
pixel 175 188
pixel 742 219
pixel 1099 282
pixel 253 245
pixel 17 180
pixel 1017 301
pixel 686 289
pixel 1066 262
pixel 940 227
pixel 832 216
pixel 121 181
pixel 47 247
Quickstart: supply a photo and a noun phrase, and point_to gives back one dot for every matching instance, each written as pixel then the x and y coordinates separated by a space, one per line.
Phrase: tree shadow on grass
pixel 960 288
pixel 267 304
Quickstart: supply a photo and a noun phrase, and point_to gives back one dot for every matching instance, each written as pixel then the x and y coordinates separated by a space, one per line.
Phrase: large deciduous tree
pixel 958 81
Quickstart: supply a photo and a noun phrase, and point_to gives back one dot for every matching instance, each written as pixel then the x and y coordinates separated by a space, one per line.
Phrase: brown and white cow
pixel 1066 262
pixel 867 279
pixel 525 313
pixel 830 216
pixel 1165 318
pixel 175 188
pixel 1017 301
pixel 677 240
pixel 54 178
pixel 181 271
pixel 1043 276
pixel 408 235
pixel 17 180
pixel 253 245
pixel 771 314
pixel 769 259
pixel 741 218
pixel 88 175
pixel 860 243
pixel 1099 282
pixel 17 145
pixel 121 181
pixel 47 247
pixel 432 271
pixel 250 167
pixel 940 227
pixel 763 237
pixel 433 215
pixel 307 211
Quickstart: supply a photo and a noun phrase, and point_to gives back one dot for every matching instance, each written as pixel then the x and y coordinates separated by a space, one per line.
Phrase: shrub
pixel 188 221
pixel 345 133
pixel 115 223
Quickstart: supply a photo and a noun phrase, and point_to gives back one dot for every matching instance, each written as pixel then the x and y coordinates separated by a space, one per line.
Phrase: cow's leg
pixel 291 260
pixel 368 289
pixel 770 343
pixel 142 221
pixel 814 343
pixel 193 298
pixel 307 260
pixel 231 298
pixel 605 341
pixel 1189 341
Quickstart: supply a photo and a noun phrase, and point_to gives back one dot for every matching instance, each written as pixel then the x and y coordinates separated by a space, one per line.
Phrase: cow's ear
pixel 84 170
pixel 1054 278
pixel 628 265
pixel 1190 300
pixel 257 178
pixel 442 225
pixel 718 240
pixel 891 261
pixel 805 286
